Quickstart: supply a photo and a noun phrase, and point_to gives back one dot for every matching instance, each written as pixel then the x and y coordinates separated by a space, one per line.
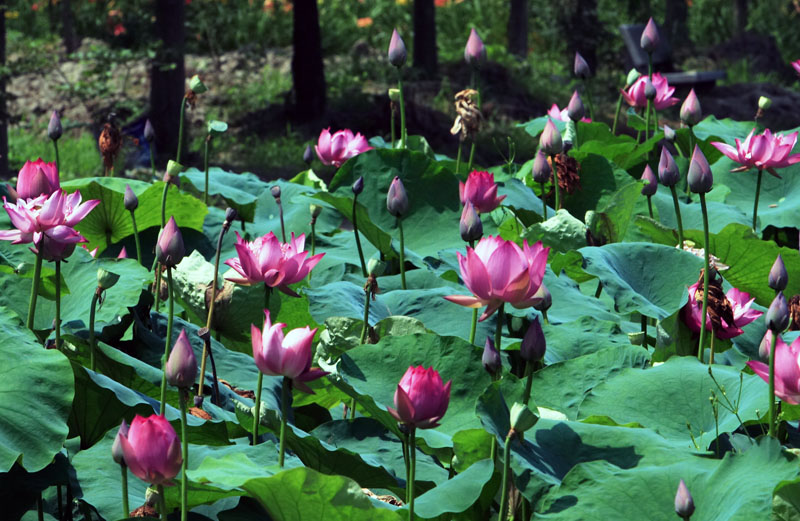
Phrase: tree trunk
pixel 425 53
pixel 675 15
pixel 308 73
pixel 4 173
pixel 518 28
pixel 71 42
pixel 582 29
pixel 739 17
pixel 167 78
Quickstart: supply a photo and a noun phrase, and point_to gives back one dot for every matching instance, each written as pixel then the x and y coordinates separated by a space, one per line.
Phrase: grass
pixel 77 149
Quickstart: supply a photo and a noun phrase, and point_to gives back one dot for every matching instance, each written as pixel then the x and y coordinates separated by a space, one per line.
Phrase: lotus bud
pixel 651 183
pixel 764 102
pixel 149 133
pixel 151 497
pixel 396 198
pixel 778 278
pixel 669 134
pixel 765 346
pixel 116 447
pixel 700 178
pixel 522 418
pixel 470 226
pixel 198 401
pixel 534 344
pixel 230 215
pixel 276 192
pixel 684 504
pixel 375 267
pixel 633 75
pixel 649 90
pixel 650 37
pixel 777 316
pixel 308 155
pixel 545 299
pixel 169 248
pixel 54 130
pixel 691 113
pixel 315 210
pixel 474 52
pixel 575 109
pixel 550 140
pixel 216 127
pixel 173 173
pixel 131 201
pixel 397 50
pixel 581 68
pixel 491 358
pixel 181 365
pixel 196 85
pixel 668 173
pixel 106 279
pixel 541 168
pixel 394 94
pixel 358 186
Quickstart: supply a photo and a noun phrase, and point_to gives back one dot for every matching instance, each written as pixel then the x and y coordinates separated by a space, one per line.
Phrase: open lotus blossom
pixel 342 145
pixel 796 65
pixel 765 151
pixel 421 399
pixel 54 216
pixel 562 114
pixel 289 356
pixel 480 190
pixel 37 178
pixel 269 261
pixel 787 370
pixel 740 303
pixel 635 96
pixel 498 271
pixel 152 449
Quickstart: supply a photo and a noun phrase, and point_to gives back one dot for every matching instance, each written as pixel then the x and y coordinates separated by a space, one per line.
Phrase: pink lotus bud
pixel 550 140
pixel 169 248
pixel 37 178
pixel 474 52
pixel 691 114
pixel 650 37
pixel 669 134
pixel 650 91
pixel 54 130
pixel 684 504
pixel 777 315
pixel 55 250
pixel 471 227
pixel 700 178
pixel 581 68
pixel 396 198
pixel 420 399
pixel 308 155
pixel 130 200
pixel 544 300
pixel 397 50
pixel 575 109
pixel 481 190
pixel 152 450
pixel 778 278
pixel 182 365
pixel 668 173
pixel 116 447
pixel 491 358
pixel 764 346
pixel 149 133
pixel 649 178
pixel 533 345
pixel 358 185
pixel 123 253
pixel 541 168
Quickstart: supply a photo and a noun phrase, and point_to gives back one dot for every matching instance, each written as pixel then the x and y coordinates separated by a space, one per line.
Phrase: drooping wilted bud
pixel 633 75
pixel 668 173
pixel 669 134
pixel 777 315
pixel 276 192
pixel 550 140
pixel 541 168
pixel 544 299
pixel 130 200
pixel 691 113
pixel 778 278
pixel 315 210
pixel 230 215
pixel 375 267
pixel 358 185
pixel 181 365
pixel 491 358
pixel 650 37
pixel 116 447
pixel 471 227
pixel 575 109
pixel 684 504
pixel 169 248
pixel 581 68
pixel 396 198
pixel 474 52
pixel 397 50
pixel 196 85
pixel 106 279
pixel 651 183
pixel 308 155
pixel 533 345
pixel 700 178
pixel 649 90
pixel 149 133
pixel 54 130
pixel 522 418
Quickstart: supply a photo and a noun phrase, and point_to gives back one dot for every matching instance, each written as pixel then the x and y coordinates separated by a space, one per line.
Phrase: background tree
pixel 425 52
pixel 739 16
pixel 167 76
pixel 71 41
pixel 308 74
pixel 4 173
pixel 518 28
pixel 582 29
pixel 675 15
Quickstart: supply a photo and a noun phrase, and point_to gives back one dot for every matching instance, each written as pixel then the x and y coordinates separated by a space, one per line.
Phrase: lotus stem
pixel 506 468
pixel 391 117
pixel 126 509
pixel 285 390
pixel 412 464
pixel 647 124
pixel 180 130
pixel 167 341
pixel 313 240
pixel 402 110
pixel 37 275
pixel 458 157
pixel 498 330
pixel 184 480
pixel 474 326
pixel 677 214
pixel 402 255
pixel 555 182
pixel 650 205
pixel 205 166
pixel 256 411
pixel 705 276
pixel 365 326
pixel 544 203
pixel 713 336
pixel 136 238
pixel 58 163
pixel 588 92
pixel 162 502
pixel 528 382
pixel 58 304
pixel 471 156
pixel 92 343
pixel 616 115
pixel 358 239
pixel 771 431
pixel 755 204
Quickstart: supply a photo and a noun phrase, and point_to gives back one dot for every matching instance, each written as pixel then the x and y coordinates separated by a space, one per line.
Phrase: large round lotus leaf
pixel 240 191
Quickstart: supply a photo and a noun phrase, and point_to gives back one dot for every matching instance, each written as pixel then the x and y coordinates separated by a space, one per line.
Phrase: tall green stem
pixel 256 410
pixel 677 215
pixel 313 240
pixel 506 470
pixel 528 382
pixel 402 254
pixel 412 470
pixel 285 392
pixel 365 327
pixel 705 276
pixel 167 341
pixel 184 480
pixel 358 239
pixel 498 330
pixel 205 166
pixel 755 204
pixel 555 182
pixel 136 238
pixel 771 431
pixel 180 130
pixel 152 160
pixel 458 157
pixel 588 92
pixel 471 156
pixel 58 304
pixel 391 116
pixel 616 115
pixel 402 110
pixel 474 326
pixel 650 205
pixel 37 276
pixel 647 123
pixel 162 502
pixel 711 355
pixel 58 163
pixel 544 203
pixel 92 312
pixel 126 509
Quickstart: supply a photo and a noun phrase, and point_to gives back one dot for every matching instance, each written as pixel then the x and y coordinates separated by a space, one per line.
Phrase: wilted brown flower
pixel 110 143
pixel 468 117
pixel 794 313
pixel 719 308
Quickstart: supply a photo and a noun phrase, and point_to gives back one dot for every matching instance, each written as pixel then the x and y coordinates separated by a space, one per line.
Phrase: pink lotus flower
pixel 420 399
pixel 37 178
pixel 54 216
pixel 635 97
pixel 742 314
pixel 267 260
pixel 480 190
pixel 787 370
pixel 796 65
pixel 562 114
pixel 765 151
pixel 151 449
pixel 499 271
pixel 335 150
pixel 288 356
